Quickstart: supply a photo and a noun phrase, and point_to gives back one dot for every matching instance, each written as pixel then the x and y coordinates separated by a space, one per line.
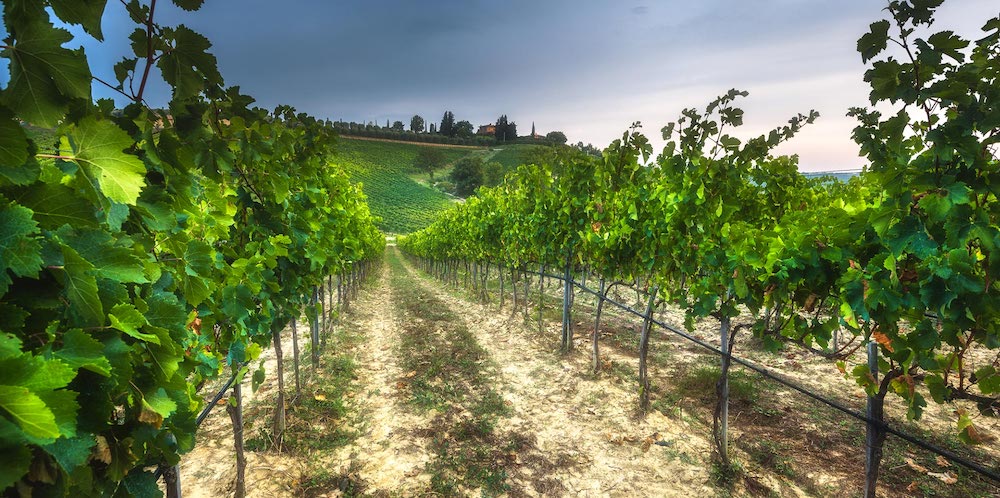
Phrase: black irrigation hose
pixel 882 425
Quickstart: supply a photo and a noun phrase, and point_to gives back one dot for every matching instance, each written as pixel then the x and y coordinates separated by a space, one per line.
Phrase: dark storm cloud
pixel 587 68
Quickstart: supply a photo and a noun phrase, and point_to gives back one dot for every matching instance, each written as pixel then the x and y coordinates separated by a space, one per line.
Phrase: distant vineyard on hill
pixel 384 169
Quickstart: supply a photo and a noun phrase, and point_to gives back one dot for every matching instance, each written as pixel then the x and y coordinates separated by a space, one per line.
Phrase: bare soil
pixel 568 432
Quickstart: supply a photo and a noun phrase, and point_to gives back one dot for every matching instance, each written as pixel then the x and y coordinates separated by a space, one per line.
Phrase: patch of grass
pixel 725 476
pixel 320 419
pixel 321 481
pixel 699 383
pixel 771 455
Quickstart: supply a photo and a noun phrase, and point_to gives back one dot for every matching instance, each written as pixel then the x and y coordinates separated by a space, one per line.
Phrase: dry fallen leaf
pixel 319 397
pixel 943 462
pixel 912 488
pixel 945 477
pixel 914 465
pixel 410 374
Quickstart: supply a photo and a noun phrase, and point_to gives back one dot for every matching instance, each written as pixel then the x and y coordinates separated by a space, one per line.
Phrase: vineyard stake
pixel 295 356
pixel 567 329
pixel 644 350
pixel 724 394
pixel 873 448
pixel 314 329
pixel 172 476
pixel 597 328
pixel 279 411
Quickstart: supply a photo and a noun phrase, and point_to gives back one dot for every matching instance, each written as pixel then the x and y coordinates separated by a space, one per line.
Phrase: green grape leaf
pixel 126 318
pixel 98 148
pixel 13 141
pixel 160 402
pixel 198 258
pixel 64 407
pixel 936 387
pixel 81 288
pixel 196 290
pixel 57 205
pixel 10 346
pixel 189 67
pixel 949 44
pixel 14 463
pixel 29 412
pixel 189 5
pixel 110 261
pixel 124 67
pixel 44 75
pixel 86 13
pixel 46 375
pixel 988 380
pixel 874 41
pixel 19 251
pixel 142 484
pixel 73 452
pixel 80 350
pixel 166 312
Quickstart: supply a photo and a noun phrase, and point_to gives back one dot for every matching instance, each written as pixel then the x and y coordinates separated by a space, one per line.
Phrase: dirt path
pixel 385 455
pixel 586 425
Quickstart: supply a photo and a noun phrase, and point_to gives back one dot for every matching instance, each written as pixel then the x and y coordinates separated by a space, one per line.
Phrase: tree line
pixel 448 131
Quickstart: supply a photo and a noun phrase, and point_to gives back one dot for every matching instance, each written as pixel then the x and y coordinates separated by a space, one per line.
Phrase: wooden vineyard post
pixel 295 356
pixel 724 390
pixel 500 276
pixel 873 433
pixel 567 327
pixel 595 357
pixel 314 329
pixel 279 408
pixel 541 295
pixel 526 282
pixel 334 308
pixel 235 410
pixel 644 350
pixel 322 315
pixel 172 476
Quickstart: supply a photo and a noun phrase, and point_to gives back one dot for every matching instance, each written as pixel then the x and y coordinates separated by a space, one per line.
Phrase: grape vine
pixel 901 257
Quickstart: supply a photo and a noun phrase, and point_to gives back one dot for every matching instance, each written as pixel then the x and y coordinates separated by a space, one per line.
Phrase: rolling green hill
pixel 385 170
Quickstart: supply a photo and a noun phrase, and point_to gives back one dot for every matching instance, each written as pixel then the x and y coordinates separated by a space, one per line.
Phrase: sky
pixel 586 68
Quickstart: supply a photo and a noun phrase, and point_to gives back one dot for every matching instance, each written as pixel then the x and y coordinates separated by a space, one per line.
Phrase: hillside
pixel 385 169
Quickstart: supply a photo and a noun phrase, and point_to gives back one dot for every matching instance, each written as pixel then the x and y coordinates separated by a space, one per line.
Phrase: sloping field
pixel 383 168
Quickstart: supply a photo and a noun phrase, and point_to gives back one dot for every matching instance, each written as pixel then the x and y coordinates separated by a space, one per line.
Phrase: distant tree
pixel 433 129
pixel 447 124
pixel 556 137
pixel 428 160
pixel 464 129
pixel 505 131
pixel 467 175
pixel 416 124
pixel 397 126
pixel 588 149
